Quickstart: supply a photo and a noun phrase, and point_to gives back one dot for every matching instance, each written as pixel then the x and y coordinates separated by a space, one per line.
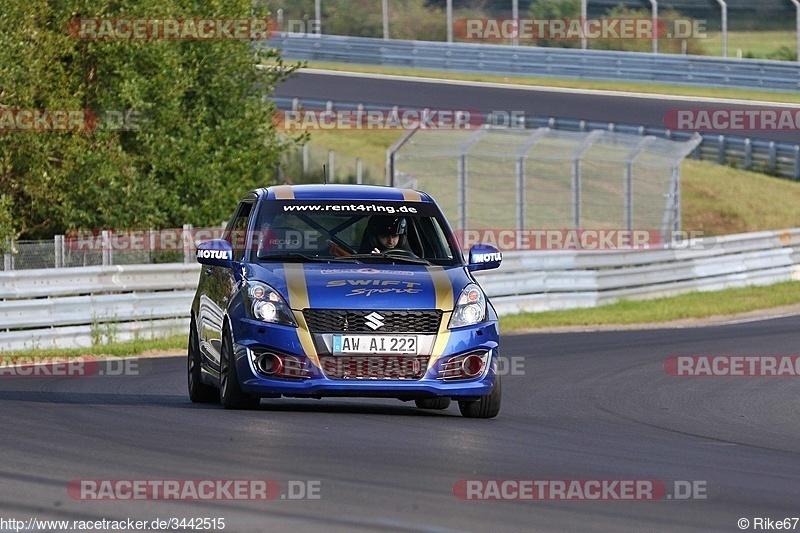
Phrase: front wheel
pixel 486 406
pixel 199 392
pixel 230 390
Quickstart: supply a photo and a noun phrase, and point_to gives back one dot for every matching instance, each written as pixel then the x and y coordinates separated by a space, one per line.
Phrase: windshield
pixel 366 231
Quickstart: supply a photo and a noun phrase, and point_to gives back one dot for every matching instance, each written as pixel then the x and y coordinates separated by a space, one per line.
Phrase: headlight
pixel 470 307
pixel 266 304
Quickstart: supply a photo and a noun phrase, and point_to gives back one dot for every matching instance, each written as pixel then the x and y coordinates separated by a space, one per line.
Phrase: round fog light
pixel 472 366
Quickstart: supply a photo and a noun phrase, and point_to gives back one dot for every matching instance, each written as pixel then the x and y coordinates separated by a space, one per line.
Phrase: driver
pixel 384 233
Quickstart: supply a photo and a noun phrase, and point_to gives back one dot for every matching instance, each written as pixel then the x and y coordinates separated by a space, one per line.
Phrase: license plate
pixel 383 344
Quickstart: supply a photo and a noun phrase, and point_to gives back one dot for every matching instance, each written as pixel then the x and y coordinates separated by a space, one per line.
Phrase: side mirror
pixel 215 253
pixel 484 257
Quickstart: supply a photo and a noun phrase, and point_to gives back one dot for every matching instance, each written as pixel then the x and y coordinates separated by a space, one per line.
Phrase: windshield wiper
pixel 300 258
pixel 392 257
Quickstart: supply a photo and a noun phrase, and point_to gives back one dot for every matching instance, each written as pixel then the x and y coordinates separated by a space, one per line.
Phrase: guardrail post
pixel 331 177
pixel 359 169
pixel 797 161
pixel 188 243
pixel 721 149
pixel 773 157
pixel 748 154
pixel 305 158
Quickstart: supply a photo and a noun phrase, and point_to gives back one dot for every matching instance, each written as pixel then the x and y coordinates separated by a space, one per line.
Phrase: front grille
pixel 339 320
pixel 374 366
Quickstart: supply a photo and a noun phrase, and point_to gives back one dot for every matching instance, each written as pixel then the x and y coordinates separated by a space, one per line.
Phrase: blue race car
pixel 343 290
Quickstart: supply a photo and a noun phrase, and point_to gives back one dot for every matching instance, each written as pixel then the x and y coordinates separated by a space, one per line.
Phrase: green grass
pixel 757 43
pixel 117 349
pixel 640 87
pixel 722 200
pixel 692 305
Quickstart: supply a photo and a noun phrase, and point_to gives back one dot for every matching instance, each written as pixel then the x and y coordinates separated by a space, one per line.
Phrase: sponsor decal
pixel 215 254
pixel 365 271
pixel 367 287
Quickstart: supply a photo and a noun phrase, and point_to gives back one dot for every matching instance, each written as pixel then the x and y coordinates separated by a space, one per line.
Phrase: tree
pixel 195 133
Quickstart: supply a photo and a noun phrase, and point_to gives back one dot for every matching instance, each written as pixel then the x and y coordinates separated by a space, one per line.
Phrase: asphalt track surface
pixel 626 109
pixel 589 406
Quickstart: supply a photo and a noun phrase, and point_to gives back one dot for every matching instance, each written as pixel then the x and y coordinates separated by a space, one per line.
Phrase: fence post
pixel 359 170
pixel 520 194
pixel 57 250
pixel 8 258
pixel 305 159
pixel 462 191
pixel 106 240
pixel 331 177
pixel 188 244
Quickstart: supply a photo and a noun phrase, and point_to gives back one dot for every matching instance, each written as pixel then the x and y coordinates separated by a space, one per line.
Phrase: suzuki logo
pixel 374 320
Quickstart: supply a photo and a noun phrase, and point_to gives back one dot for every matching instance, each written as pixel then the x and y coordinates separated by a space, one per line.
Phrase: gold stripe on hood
pixel 298 300
pixel 444 301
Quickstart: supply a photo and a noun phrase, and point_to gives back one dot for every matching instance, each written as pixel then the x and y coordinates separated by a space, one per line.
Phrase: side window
pixel 237 230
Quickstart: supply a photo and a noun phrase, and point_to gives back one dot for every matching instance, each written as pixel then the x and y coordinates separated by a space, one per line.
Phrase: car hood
pixel 354 286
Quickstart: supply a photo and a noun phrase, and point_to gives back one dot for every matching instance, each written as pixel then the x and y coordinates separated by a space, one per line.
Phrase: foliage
pixel 202 136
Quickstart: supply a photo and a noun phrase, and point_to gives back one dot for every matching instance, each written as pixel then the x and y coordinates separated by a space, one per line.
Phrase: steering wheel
pixel 401 252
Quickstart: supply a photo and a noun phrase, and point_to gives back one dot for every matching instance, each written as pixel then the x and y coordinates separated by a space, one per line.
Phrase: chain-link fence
pixel 304 164
pixel 94 248
pixel 514 178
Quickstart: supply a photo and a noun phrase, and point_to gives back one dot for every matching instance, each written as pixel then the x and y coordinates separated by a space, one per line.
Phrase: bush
pixel 203 138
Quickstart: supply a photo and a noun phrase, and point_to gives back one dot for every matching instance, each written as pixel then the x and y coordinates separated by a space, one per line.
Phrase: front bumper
pixel 254 337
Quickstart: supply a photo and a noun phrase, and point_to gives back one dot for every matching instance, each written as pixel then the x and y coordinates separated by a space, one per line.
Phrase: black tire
pixel 433 403
pixel 230 391
pixel 486 406
pixel 199 392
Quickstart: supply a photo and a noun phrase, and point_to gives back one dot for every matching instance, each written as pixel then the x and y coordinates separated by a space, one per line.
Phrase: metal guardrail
pixel 776 158
pixel 543 281
pixel 76 307
pixel 73 307
pixel 546 62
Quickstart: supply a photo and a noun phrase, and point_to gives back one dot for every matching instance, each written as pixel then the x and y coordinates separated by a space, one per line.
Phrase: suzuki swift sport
pixel 343 290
